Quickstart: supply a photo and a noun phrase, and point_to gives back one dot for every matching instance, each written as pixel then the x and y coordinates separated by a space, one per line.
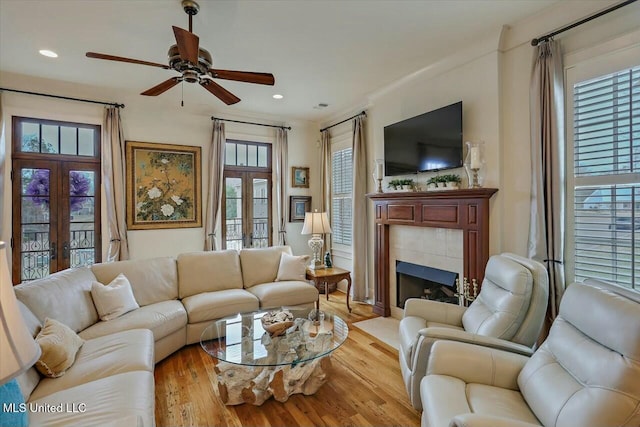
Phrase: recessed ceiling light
pixel 48 53
pixel 277 96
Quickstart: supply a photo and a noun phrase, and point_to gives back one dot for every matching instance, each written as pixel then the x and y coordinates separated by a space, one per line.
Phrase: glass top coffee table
pixel 254 365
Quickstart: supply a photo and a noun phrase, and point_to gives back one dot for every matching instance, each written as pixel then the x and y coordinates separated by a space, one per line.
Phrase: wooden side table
pixel 329 276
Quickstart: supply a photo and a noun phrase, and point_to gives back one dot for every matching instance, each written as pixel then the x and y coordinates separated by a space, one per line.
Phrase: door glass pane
pixel 260 229
pixel 252 154
pixel 49 139
pixel 34 223
pixel 30 137
pixel 85 142
pixel 233 213
pixel 262 157
pixel 82 216
pixel 230 154
pixel 242 155
pixel 68 140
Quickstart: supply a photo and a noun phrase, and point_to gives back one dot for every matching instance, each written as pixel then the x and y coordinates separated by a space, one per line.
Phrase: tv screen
pixel 429 142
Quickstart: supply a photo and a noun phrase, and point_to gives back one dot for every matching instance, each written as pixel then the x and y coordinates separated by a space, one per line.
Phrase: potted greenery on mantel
pixel 441 182
pixel 401 184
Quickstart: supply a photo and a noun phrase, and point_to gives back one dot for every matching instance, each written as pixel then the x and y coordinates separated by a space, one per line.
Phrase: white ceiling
pixel 333 52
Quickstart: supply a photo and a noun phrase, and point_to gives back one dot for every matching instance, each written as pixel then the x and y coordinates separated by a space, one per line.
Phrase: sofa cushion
pixel 292 267
pixel 208 271
pixel 114 400
pixel 115 299
pixel 59 345
pixel 286 293
pixel 260 265
pixel 161 318
pixel 64 296
pixel 152 280
pixel 102 357
pixel 209 306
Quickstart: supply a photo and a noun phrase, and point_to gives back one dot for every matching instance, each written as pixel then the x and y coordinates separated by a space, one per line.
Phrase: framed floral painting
pixel 163 186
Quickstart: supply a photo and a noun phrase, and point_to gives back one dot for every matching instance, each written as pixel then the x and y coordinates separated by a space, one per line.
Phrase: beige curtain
pixel 113 169
pixel 281 165
pixel 546 228
pixel 3 165
pixel 359 210
pixel 216 184
pixel 325 180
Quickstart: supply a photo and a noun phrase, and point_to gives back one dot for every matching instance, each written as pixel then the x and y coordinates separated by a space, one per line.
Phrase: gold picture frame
pixel 299 177
pixel 298 206
pixel 163 186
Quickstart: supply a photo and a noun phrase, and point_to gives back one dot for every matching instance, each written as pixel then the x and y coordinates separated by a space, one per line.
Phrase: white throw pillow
pixel 115 299
pixel 292 267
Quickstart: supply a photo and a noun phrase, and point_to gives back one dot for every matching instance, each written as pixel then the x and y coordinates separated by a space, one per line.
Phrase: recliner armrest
pixel 464 336
pixel 434 311
pixel 477 420
pixel 476 364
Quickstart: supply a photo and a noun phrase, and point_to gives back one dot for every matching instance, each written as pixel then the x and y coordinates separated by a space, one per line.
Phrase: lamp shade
pixel 18 350
pixel 316 223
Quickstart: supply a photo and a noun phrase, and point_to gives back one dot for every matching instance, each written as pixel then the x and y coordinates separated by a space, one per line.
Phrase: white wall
pixel 159 120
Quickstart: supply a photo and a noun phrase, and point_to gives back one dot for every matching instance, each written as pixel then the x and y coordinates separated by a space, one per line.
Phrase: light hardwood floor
pixel 365 387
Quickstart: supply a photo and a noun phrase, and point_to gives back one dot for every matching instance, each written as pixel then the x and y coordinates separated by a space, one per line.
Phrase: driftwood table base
pixel 238 384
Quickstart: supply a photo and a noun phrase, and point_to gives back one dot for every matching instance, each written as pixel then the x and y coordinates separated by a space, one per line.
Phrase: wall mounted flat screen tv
pixel 429 142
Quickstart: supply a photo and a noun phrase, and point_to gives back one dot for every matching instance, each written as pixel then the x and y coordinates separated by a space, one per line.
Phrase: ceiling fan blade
pixel 162 87
pixel 187 44
pixel 224 95
pixel 122 59
pixel 244 76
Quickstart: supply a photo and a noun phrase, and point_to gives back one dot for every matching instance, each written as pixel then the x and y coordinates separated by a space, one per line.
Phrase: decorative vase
pixel 474 163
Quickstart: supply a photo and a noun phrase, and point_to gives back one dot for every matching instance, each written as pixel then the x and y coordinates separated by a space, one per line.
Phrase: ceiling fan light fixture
pixel 277 96
pixel 48 53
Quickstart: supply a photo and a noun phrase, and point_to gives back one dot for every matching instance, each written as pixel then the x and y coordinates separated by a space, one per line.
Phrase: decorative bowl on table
pixel 277 322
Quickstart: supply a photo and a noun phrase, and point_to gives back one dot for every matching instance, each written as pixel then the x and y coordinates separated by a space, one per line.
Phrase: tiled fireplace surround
pixel 434 247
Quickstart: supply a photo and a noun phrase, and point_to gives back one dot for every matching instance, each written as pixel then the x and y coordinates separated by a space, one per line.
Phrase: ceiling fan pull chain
pixel 182 89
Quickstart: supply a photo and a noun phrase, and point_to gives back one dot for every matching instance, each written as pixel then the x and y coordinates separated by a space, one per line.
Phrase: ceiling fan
pixel 193 63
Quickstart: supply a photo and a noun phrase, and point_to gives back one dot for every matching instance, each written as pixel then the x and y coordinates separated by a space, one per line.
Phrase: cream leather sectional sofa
pixel 111 381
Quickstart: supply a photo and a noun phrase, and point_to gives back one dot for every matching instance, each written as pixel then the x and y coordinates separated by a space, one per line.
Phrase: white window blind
pixel 341 192
pixel 606 188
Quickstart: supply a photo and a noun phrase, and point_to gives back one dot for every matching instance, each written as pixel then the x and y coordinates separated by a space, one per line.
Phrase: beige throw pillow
pixel 59 345
pixel 115 299
pixel 292 267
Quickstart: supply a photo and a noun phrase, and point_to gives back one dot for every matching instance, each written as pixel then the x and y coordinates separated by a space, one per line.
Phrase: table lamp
pixel 18 350
pixel 317 224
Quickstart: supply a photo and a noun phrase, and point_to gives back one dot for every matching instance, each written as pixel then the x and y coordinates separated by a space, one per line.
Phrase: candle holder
pixel 467 292
pixel 378 175
pixel 474 163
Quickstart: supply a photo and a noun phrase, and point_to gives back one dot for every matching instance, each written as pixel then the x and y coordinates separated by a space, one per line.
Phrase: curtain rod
pixel 251 123
pixel 546 37
pixel 68 98
pixel 362 113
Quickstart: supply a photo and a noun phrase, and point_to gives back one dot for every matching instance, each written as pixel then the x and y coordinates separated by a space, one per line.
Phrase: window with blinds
pixel 341 192
pixel 606 178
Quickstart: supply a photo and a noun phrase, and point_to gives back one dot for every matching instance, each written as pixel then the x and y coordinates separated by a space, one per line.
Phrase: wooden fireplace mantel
pixel 466 210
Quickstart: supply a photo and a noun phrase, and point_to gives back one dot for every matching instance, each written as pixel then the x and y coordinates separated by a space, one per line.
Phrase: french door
pixel 246 210
pixel 56 216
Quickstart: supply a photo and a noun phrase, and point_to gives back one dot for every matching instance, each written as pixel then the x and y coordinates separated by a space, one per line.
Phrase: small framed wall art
pixel 298 206
pixel 163 186
pixel 299 177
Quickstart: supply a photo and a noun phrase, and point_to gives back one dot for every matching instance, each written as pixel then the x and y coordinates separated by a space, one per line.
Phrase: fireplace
pixel 421 281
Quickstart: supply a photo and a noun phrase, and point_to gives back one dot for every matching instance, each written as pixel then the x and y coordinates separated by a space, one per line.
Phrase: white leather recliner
pixel 586 373
pixel 508 313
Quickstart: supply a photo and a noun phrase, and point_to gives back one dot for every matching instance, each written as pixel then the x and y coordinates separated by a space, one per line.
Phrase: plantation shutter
pixel 341 190
pixel 606 171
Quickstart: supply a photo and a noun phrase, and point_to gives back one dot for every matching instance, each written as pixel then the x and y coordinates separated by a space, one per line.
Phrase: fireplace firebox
pixel 421 281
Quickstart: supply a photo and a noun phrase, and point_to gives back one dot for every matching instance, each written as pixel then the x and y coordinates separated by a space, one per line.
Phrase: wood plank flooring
pixel 365 387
